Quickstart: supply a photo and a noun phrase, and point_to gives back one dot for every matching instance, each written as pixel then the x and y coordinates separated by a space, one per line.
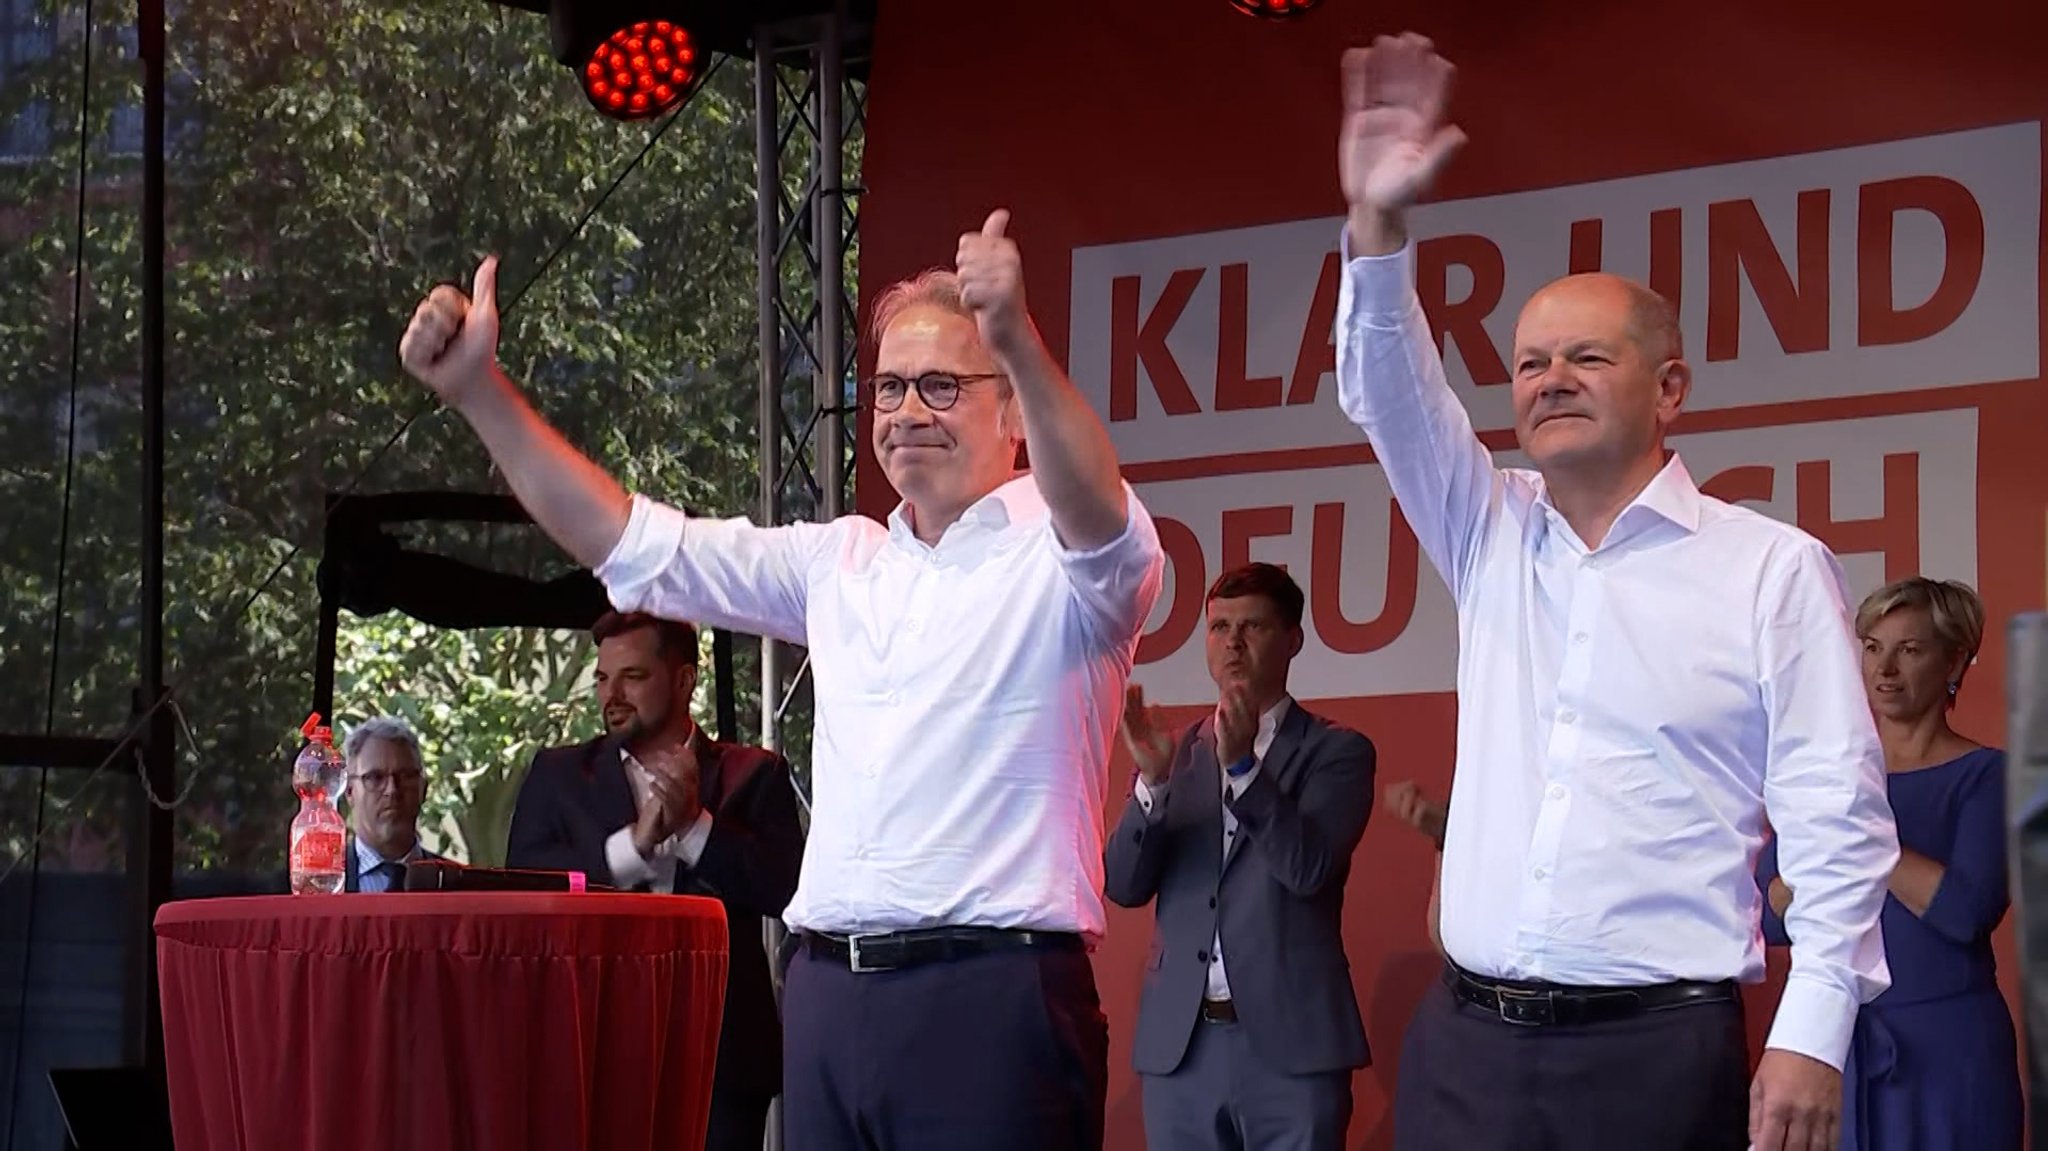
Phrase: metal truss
pixel 810 113
pixel 810 93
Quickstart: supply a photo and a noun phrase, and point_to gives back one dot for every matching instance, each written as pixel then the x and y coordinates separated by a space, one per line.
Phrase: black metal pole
pixel 829 232
pixel 145 1043
pixel 768 267
pixel 725 696
pixel 327 644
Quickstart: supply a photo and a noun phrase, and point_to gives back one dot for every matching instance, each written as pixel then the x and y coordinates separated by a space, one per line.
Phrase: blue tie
pixel 391 874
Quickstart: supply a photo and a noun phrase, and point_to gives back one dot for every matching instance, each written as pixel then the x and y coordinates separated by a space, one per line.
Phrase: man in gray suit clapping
pixel 1242 829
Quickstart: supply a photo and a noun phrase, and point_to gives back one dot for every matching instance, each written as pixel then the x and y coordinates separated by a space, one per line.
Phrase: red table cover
pixel 441 1021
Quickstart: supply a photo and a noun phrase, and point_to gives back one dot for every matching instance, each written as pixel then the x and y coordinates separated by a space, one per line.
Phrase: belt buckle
pixel 853 956
pixel 1525 1008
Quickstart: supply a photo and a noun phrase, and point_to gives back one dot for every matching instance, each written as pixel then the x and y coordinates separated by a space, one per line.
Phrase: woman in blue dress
pixel 1933 1065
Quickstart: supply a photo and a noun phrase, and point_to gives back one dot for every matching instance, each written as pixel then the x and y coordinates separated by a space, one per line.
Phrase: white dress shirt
pixel 1150 799
pixel 367 861
pixel 966 696
pixel 1627 712
pixel 685 847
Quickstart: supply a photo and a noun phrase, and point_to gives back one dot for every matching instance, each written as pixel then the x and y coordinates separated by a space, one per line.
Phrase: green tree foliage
pixel 331 161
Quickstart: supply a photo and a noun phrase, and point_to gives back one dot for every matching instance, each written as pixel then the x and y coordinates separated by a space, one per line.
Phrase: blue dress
pixel 1933 1065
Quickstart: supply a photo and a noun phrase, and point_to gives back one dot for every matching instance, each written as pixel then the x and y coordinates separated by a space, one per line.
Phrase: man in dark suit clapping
pixel 656 805
pixel 1242 830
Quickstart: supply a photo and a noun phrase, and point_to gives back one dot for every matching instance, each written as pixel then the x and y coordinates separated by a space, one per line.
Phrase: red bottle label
pixel 317 850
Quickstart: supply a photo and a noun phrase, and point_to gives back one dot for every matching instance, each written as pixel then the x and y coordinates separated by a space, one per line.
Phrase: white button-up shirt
pixel 967 695
pixel 1148 797
pixel 368 861
pixel 1627 712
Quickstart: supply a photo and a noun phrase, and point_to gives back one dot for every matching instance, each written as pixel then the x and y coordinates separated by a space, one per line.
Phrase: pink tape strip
pixel 575 881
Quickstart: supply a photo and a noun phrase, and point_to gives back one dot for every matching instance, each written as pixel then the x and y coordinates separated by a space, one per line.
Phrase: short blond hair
pixel 1952 605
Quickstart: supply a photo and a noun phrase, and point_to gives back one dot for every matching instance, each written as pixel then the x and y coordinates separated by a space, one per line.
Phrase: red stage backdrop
pixel 1847 206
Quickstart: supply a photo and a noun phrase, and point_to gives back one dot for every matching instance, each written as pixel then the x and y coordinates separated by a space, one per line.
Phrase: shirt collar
pixel 1670 495
pixel 689 741
pixel 1015 502
pixel 367 858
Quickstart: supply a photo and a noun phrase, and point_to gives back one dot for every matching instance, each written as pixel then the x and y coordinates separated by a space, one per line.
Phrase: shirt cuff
pixel 1151 798
pixel 653 535
pixel 1814 1020
pixel 628 869
pixel 1378 285
pixel 689 846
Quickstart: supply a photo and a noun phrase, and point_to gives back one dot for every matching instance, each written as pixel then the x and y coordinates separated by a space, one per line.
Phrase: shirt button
pixel 1527 961
pixel 1542 874
pixel 1565 716
pixel 1557 791
pixel 1202 956
pixel 913 625
pixel 892 699
pixel 1579 637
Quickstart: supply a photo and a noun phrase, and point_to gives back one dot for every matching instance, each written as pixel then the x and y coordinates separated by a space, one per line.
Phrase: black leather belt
pixel 1550 1004
pixel 1219 1011
pixel 892 950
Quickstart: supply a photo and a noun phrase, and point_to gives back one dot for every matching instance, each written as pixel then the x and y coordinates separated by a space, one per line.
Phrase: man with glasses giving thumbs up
pixel 970 658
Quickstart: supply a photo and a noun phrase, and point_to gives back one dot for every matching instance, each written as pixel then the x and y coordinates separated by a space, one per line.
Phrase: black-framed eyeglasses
pixel 938 390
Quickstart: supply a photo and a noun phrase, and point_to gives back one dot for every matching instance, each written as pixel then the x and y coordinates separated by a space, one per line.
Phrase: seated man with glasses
pixel 386 785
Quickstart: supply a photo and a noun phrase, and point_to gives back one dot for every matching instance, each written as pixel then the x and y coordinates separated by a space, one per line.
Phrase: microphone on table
pixel 433 875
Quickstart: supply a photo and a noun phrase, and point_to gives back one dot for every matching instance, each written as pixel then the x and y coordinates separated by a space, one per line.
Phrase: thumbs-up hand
pixel 992 285
pixel 451 345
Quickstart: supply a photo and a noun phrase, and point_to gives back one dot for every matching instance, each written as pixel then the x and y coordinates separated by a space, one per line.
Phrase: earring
pixel 1953 688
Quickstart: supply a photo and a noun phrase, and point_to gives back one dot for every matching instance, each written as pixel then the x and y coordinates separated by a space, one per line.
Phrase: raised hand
pixel 451 345
pixel 991 272
pixel 1393 141
pixel 1236 725
pixel 1150 744
pixel 651 829
pixel 674 774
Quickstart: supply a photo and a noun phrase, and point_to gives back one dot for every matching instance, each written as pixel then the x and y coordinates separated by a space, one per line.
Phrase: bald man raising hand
pixel 1643 670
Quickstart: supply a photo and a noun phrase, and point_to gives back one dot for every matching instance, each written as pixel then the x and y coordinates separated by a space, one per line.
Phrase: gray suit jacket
pixel 1278 899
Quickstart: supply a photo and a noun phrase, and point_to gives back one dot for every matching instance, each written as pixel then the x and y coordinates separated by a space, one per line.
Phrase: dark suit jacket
pixel 1278 899
pixel 351 875
pixel 576 797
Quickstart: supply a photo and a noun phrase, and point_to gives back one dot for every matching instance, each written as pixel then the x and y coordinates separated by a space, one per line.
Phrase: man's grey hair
pixel 382 727
pixel 931 288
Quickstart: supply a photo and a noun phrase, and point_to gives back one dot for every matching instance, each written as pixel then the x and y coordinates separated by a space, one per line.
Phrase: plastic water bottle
pixel 318 833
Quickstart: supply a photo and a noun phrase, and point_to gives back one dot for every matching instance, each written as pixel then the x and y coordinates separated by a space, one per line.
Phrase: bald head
pixel 1652 321
pixel 1599 377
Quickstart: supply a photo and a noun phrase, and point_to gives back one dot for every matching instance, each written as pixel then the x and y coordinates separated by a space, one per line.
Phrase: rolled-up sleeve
pixel 717 573
pixel 1118 582
pixel 1825 792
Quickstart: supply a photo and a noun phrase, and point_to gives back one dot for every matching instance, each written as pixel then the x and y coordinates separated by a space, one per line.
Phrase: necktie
pixel 393 873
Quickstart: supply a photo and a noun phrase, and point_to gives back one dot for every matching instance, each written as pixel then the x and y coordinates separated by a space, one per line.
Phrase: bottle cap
pixel 313 730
